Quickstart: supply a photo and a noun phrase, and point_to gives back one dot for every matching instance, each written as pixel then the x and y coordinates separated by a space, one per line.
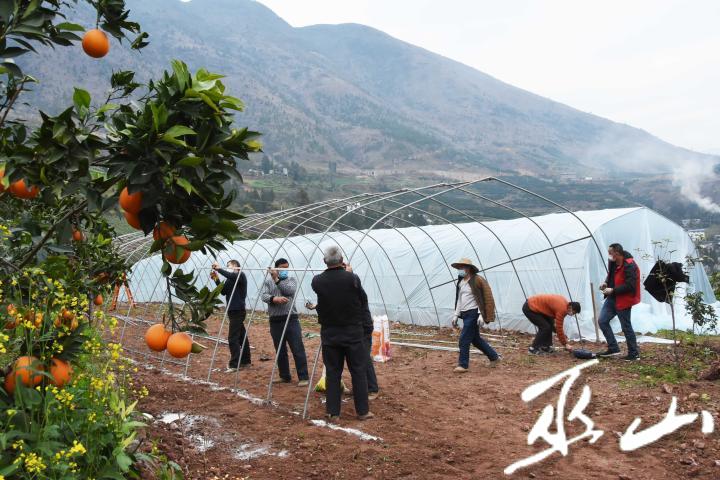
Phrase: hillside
pixel 356 96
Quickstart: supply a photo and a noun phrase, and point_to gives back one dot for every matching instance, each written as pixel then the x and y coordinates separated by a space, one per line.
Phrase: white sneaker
pixel 459 369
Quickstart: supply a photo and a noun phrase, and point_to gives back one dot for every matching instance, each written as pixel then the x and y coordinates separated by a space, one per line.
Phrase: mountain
pixel 359 97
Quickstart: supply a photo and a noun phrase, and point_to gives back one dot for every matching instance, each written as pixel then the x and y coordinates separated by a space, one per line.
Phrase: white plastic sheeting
pixel 402 268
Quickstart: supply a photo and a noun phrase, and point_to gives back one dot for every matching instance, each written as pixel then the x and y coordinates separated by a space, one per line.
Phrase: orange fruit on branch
pixel 133 220
pixel 23 370
pixel 77 235
pixel 96 43
pixel 131 202
pixel 20 190
pixel 156 337
pixel 10 383
pixel 163 230
pixel 67 315
pixel 174 251
pixel 98 300
pixel 179 345
pixel 61 371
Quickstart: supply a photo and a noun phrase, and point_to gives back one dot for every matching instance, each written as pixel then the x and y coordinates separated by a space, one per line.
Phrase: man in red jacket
pixel 622 290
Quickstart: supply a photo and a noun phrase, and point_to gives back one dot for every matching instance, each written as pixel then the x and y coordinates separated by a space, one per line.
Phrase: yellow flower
pixel 34 463
pixel 77 448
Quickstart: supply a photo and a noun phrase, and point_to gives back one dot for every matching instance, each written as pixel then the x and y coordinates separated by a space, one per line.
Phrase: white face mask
pixel 461 273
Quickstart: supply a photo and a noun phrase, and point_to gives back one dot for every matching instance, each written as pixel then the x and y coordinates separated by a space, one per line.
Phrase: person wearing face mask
pixel 235 291
pixel 622 291
pixel 474 303
pixel 279 294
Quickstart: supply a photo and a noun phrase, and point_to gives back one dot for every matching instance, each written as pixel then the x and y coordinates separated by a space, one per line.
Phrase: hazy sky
pixel 651 64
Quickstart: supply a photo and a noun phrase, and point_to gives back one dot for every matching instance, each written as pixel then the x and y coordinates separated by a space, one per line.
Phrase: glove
pixel 607 292
pixel 455 322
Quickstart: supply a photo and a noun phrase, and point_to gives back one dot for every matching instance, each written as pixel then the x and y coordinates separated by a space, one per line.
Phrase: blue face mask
pixel 461 273
pixel 282 275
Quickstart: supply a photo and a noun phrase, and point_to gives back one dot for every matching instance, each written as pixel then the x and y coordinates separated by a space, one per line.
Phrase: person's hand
pixel 348 268
pixel 273 274
pixel 280 300
pixel 568 347
pixel 607 292
pixel 310 306
pixel 455 322
pixel 603 286
pixel 214 275
pixel 215 266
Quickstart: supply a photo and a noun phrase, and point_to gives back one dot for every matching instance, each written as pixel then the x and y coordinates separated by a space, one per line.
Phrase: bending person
pixel 547 312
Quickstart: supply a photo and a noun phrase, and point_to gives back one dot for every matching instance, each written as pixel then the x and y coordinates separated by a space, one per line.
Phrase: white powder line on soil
pixel 259 401
pixel 352 431
pixel 438 347
pixel 248 451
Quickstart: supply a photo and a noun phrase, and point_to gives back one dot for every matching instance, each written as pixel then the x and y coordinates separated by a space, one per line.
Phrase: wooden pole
pixel 595 314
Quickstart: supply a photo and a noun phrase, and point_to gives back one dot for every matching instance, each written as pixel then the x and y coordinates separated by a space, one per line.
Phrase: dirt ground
pixel 430 422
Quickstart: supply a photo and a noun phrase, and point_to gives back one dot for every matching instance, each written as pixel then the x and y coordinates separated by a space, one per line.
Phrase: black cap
pixel 280 261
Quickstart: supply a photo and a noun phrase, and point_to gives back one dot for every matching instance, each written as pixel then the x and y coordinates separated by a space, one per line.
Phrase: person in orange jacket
pixel 547 312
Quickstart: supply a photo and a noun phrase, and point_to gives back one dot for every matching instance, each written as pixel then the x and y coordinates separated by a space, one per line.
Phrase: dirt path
pixel 433 424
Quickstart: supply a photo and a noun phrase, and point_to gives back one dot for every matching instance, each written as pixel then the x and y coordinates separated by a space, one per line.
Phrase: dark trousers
pixel 293 338
pixel 371 377
pixel 236 335
pixel 544 324
pixel 608 312
pixel 334 357
pixel 470 335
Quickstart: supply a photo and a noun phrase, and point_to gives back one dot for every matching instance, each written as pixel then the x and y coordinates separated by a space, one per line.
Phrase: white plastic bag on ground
pixel 380 350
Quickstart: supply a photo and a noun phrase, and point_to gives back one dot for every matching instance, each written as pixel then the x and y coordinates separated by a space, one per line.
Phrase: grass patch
pixel 669 364
pixel 687 336
pixel 653 375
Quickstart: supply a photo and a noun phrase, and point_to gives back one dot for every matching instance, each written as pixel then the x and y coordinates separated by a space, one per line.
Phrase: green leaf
pixel 108 106
pixel 123 461
pixel 71 27
pixel 12 69
pixel 81 99
pixel 190 162
pixel 177 130
pixel 185 184
pixel 173 132
pixel 182 74
pixel 11 52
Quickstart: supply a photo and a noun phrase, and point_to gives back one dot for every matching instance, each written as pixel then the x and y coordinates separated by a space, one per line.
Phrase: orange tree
pixel 164 150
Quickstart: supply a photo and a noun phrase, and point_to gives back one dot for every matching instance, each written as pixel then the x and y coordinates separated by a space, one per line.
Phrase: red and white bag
pixel 380 350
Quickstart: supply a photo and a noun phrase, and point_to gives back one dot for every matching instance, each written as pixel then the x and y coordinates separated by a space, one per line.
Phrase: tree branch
pixel 12 100
pixel 50 231
pixel 11 265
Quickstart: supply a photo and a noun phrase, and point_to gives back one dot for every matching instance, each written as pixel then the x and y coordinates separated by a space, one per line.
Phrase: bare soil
pixel 433 424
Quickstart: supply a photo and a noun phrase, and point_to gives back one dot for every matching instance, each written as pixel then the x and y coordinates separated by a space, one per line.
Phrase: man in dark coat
pixel 340 313
pixel 235 291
